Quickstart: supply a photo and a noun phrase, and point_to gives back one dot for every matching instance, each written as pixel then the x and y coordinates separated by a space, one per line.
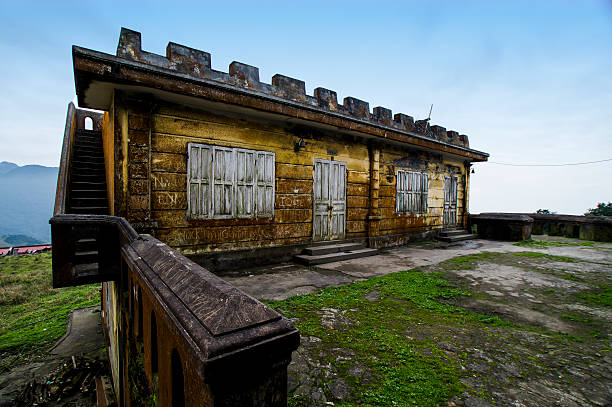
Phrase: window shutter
pixel 223 181
pixel 245 181
pixel 264 185
pixel 411 190
pixel 199 180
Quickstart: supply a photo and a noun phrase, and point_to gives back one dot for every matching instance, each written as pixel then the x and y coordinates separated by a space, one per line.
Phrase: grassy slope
pixel 34 315
pixel 403 371
pixel 375 333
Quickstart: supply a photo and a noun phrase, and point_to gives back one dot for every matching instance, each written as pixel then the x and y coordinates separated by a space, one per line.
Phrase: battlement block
pixel 326 98
pixel 129 44
pixel 383 115
pixel 403 121
pixel 129 47
pixel 247 74
pixel 439 132
pixel 197 64
pixel 357 108
pixel 289 87
pixel 453 136
pixel 187 60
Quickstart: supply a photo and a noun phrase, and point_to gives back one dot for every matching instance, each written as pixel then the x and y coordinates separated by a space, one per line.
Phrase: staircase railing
pixel 195 339
pixel 233 350
pixel 63 177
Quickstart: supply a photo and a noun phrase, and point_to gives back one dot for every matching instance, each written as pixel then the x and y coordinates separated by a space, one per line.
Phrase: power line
pixel 550 165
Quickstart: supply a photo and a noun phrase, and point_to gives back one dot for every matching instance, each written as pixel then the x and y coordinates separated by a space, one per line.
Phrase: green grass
pixel 598 297
pixel 402 370
pixel 565 259
pixel 34 315
pixel 544 244
pixel 576 317
pixel 469 262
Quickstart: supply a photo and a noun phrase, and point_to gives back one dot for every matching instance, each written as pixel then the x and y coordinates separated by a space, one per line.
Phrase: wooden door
pixel 450 201
pixel 329 214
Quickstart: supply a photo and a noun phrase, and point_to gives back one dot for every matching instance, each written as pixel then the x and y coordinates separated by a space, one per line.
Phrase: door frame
pixel 328 237
pixel 452 182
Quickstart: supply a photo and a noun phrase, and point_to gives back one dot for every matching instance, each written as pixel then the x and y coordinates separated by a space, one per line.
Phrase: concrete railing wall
pixel 518 226
pixel 596 228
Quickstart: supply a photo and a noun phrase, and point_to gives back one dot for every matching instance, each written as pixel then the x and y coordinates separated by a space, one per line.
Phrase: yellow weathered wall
pixel 173 129
pixel 151 176
pixel 436 167
pixel 108 145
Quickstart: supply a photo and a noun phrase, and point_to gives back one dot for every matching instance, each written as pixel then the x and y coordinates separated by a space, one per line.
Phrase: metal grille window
pixel 411 192
pixel 227 182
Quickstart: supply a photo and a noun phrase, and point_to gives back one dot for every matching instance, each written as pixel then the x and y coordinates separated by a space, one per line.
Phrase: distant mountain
pixel 6 166
pixel 27 196
pixel 18 240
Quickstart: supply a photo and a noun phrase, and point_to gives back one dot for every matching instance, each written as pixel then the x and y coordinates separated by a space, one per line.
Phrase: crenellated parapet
pixel 196 64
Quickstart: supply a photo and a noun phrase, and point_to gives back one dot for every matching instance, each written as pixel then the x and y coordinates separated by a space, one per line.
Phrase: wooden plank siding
pixel 154 180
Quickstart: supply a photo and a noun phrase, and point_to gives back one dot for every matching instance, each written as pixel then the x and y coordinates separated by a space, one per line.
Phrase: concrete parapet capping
pixel 197 64
pixel 520 226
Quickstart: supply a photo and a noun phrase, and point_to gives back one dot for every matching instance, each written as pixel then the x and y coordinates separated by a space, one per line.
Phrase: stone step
pixel 457 238
pixel 87 177
pixel 79 201
pixel 89 210
pixel 452 232
pixel 337 256
pixel 84 257
pixel 88 193
pixel 331 248
pixel 86 245
pixel 87 269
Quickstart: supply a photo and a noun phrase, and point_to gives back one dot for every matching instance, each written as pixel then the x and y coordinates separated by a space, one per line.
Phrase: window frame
pixel 407 196
pixel 208 177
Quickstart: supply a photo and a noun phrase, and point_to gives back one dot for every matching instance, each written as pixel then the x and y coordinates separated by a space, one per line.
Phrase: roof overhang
pixel 98 74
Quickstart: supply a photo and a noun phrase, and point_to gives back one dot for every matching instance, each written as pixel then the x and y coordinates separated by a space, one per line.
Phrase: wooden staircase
pixel 455 235
pixel 330 252
pixel 87 176
pixel 87 195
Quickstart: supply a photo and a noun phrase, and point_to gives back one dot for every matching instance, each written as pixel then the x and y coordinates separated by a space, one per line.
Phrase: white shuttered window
pixel 411 192
pixel 229 182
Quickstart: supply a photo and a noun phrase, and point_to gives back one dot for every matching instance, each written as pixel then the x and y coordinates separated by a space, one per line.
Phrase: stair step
pixel 76 202
pixel 84 158
pixel 88 177
pixel 331 248
pixel 87 131
pixel 452 232
pixel 90 210
pixel 457 238
pixel 337 256
pixel 89 143
pixel 88 193
pixel 86 245
pixel 82 257
pixel 87 269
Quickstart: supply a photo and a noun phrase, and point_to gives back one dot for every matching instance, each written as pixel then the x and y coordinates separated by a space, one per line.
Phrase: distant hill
pixel 27 196
pixel 18 240
pixel 6 166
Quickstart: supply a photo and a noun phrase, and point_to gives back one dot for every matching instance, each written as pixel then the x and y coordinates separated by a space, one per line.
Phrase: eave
pixel 93 68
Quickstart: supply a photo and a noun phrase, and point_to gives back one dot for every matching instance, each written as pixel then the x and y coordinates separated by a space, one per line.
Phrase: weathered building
pixel 208 161
pixel 213 164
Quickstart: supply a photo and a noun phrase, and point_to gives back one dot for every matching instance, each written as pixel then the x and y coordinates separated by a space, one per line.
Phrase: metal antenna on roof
pixel 429 117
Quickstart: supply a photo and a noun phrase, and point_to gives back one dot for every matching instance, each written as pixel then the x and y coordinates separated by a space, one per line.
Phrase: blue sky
pixel 528 82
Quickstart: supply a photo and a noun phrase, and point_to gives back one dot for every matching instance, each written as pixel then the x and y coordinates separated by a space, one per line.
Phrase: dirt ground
pixel 555 350
pixel 551 349
pixel 66 376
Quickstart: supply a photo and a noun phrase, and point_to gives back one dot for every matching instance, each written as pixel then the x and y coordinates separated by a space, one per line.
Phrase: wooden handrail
pixel 63 176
